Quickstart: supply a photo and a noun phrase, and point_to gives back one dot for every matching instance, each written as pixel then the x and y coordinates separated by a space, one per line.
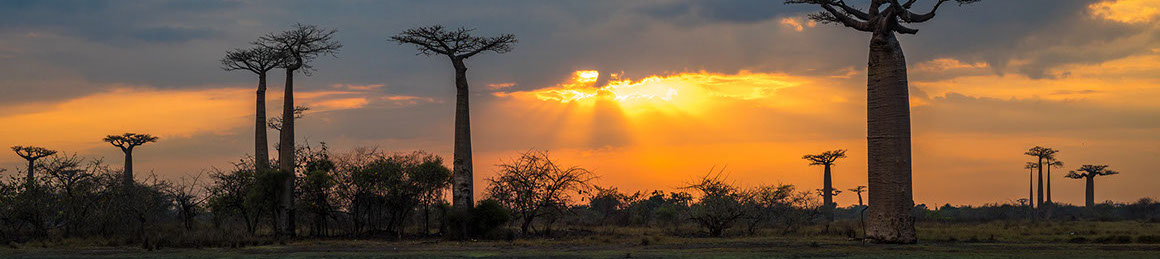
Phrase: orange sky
pixel 661 130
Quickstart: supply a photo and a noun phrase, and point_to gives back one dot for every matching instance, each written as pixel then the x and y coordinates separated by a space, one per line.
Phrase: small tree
pixel 187 196
pixel 719 206
pixel 127 142
pixel 827 159
pixel 31 154
pixel 457 45
pixel 1090 172
pixel 534 186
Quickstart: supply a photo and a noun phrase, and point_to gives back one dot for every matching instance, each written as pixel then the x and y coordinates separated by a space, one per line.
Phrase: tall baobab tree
pixel 827 159
pixel 31 154
pixel 1049 163
pixel 888 109
pixel 859 190
pixel 300 46
pixel 1031 166
pixel 458 45
pixel 259 60
pixel 1041 153
pixel 127 142
pixel 1090 172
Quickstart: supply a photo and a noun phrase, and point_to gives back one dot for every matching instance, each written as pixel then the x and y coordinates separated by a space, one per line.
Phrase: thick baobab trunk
pixel 828 199
pixel 463 189
pixel 261 146
pixel 31 176
pixel 1039 198
pixel 888 140
pixel 128 166
pixel 1048 180
pixel 1090 199
pixel 286 157
pixel 1030 188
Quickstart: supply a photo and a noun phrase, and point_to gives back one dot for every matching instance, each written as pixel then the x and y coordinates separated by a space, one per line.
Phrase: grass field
pixel 989 240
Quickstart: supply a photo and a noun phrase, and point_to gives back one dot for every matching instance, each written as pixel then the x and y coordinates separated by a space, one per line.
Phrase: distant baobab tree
pixel 1051 162
pixel 127 142
pixel 1031 166
pixel 888 109
pixel 458 45
pixel 1041 153
pixel 300 45
pixel 859 190
pixel 31 154
pixel 827 159
pixel 1090 172
pixel 259 60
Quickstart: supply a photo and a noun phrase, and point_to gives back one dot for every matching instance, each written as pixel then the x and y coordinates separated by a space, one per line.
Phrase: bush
pixel 489 216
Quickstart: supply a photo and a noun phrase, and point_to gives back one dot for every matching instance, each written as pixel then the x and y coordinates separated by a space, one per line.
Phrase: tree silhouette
pixel 1049 163
pixel 859 190
pixel 259 60
pixel 31 154
pixel 1031 166
pixel 827 159
pixel 888 109
pixel 300 45
pixel 1090 172
pixel 533 186
pixel 458 45
pixel 127 142
pixel 1041 153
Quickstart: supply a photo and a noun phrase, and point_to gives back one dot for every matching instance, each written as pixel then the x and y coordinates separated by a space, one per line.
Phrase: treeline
pixel 369 193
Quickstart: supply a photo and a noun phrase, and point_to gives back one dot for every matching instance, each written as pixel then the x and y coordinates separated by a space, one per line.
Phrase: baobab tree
pixel 300 46
pixel 1041 153
pixel 888 109
pixel 127 142
pixel 827 159
pixel 458 45
pixel 259 60
pixel 1031 166
pixel 1049 163
pixel 859 190
pixel 1090 172
pixel 31 154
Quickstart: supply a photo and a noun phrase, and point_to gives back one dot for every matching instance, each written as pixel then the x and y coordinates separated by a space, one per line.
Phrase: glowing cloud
pixel 1126 11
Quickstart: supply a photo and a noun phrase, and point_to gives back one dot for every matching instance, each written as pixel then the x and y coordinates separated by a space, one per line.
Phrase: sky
pixel 648 94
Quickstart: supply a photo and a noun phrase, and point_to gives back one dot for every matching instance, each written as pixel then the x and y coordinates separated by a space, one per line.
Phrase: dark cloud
pixel 711 11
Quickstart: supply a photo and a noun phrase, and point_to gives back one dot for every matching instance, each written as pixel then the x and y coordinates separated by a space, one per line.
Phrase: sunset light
pixel 580 129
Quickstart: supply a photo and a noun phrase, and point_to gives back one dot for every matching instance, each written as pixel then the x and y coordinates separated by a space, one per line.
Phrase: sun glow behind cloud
pixel 685 93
